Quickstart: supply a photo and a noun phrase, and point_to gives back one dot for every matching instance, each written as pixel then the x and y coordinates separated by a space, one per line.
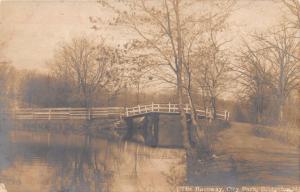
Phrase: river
pixel 46 161
pixel 34 160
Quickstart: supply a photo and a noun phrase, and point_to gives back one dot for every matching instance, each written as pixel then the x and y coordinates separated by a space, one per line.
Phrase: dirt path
pixel 245 159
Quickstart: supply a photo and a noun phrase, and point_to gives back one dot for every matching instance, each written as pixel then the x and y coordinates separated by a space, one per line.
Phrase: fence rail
pixel 104 112
pixel 67 113
pixel 173 108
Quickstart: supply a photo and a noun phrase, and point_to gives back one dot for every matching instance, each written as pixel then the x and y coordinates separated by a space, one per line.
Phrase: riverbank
pixel 243 158
pixel 5 127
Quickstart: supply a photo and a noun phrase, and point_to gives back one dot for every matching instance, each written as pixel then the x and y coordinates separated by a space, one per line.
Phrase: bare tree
pixel 270 67
pixel 7 83
pixel 294 8
pixel 88 66
pixel 138 71
pixel 168 30
pixel 7 77
pixel 282 47
pixel 253 75
pixel 212 69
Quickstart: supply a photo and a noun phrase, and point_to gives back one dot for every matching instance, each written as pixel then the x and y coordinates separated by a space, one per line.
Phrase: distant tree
pixel 88 67
pixel 253 74
pixel 212 69
pixel 294 8
pixel 138 69
pixel 7 82
pixel 269 69
pixel 7 78
pixel 34 89
pixel 281 47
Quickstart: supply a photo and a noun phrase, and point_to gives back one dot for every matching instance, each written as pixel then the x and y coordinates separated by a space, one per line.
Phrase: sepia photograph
pixel 149 95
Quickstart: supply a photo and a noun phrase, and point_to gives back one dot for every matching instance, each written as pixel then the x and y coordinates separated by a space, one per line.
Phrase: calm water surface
pixel 34 161
pixel 42 161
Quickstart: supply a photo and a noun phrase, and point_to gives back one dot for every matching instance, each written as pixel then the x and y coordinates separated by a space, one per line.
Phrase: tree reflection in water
pixel 74 163
pixel 89 169
pixel 58 162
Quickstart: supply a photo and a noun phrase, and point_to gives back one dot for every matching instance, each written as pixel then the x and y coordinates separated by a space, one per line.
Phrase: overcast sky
pixel 32 29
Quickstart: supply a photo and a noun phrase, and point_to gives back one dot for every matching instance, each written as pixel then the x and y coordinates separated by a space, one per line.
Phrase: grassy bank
pixel 289 134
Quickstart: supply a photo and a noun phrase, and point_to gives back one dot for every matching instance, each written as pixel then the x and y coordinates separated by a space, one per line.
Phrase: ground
pixel 242 158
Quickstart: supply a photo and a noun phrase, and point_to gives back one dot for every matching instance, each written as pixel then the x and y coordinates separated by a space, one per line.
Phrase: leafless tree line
pixel 269 69
pixel 7 78
pixel 88 67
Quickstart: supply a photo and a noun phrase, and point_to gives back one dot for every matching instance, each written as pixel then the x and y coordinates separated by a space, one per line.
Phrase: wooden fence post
pixel 49 115
pixel 15 113
pixel 169 107
pixel 152 107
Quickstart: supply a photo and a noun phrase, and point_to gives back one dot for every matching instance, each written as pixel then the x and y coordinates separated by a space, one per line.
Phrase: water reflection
pixel 69 162
pixel 43 161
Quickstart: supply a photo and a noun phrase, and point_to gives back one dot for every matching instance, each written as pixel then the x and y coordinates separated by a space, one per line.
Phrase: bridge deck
pixel 106 112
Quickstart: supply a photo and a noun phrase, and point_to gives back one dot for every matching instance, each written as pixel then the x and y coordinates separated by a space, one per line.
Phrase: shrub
pixel 261 131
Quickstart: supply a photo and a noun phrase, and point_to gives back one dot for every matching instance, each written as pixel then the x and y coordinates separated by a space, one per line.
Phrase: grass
pixel 287 134
pixel 247 154
pixel 205 146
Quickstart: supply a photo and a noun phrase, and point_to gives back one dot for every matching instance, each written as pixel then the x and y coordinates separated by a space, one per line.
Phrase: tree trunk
pixel 280 115
pixel 213 107
pixel 138 94
pixel 193 109
pixel 179 64
pixel 183 120
pixel 194 126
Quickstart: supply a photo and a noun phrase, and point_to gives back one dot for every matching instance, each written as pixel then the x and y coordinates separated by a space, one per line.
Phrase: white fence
pixel 172 108
pixel 105 112
pixel 67 113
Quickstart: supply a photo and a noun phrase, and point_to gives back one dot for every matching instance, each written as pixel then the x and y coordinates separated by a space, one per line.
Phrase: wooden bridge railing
pixel 104 112
pixel 171 108
pixel 67 113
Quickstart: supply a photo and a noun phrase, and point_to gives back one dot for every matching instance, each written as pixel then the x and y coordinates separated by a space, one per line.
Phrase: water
pixel 68 161
pixel 44 161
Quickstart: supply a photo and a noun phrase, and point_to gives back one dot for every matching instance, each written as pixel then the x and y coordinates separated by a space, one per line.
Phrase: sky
pixel 33 29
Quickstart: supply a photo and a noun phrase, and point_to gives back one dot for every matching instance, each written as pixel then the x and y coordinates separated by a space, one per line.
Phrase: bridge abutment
pixel 192 130
pixel 149 128
pixel 130 128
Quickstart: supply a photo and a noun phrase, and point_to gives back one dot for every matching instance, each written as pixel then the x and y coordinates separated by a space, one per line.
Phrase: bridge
pixel 108 112
pixel 150 115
